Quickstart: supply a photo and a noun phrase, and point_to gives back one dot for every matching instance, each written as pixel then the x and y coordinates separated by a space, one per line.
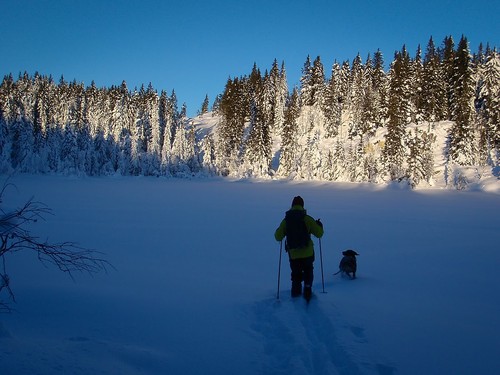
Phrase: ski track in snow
pixel 300 338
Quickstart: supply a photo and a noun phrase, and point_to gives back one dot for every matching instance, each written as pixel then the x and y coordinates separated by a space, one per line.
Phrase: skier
pixel 297 227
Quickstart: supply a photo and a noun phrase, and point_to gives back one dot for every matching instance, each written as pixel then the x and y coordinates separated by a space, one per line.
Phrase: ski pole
pixel 279 273
pixel 321 258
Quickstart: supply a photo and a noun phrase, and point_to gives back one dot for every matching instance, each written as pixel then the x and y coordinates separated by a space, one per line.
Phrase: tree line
pixel 324 128
pixel 66 128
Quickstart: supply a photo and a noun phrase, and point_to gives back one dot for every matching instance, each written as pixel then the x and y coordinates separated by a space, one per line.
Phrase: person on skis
pixel 297 227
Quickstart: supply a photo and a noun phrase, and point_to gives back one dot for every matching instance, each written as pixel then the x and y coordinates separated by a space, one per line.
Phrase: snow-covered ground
pixel 194 289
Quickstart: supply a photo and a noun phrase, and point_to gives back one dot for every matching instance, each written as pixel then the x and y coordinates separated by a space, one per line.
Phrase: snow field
pixel 194 285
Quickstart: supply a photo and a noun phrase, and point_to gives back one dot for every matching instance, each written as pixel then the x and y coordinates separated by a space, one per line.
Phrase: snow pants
pixel 302 271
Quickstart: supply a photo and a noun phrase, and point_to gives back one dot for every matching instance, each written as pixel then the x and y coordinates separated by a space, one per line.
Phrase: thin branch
pixel 66 256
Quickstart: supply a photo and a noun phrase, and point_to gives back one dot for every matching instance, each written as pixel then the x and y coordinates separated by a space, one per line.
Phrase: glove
pixel 319 223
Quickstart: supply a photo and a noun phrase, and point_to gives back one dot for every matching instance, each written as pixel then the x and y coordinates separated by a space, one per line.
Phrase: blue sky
pixel 193 46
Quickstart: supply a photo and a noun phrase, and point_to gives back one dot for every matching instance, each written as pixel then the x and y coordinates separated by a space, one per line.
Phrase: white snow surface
pixel 194 289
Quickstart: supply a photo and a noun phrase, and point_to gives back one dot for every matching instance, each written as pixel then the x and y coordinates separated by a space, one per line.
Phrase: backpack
pixel 297 235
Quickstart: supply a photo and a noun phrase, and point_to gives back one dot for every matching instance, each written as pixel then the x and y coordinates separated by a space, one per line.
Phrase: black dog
pixel 348 264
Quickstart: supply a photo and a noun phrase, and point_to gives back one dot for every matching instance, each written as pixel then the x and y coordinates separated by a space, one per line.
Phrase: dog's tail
pixel 336 273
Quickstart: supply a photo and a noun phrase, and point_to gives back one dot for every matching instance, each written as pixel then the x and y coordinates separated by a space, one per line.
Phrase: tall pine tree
pixel 288 156
pixel 398 113
pixel 462 143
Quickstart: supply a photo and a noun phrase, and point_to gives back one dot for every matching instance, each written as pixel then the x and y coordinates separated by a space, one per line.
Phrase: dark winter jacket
pixel 312 228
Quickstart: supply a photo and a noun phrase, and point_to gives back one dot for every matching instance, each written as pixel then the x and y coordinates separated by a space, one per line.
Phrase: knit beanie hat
pixel 298 201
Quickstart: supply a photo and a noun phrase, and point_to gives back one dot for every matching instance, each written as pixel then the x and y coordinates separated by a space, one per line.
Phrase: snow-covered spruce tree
pixel 94 117
pixel 367 124
pixel 276 89
pixel 4 146
pixel 18 117
pixel 310 132
pixel 5 165
pixel 69 151
pixel 282 94
pixel 7 113
pixel 361 165
pixel 204 105
pixel 76 118
pixel 92 111
pixel 339 163
pixel 306 82
pixel 462 144
pixel 405 85
pixel 368 93
pixel 145 132
pixel 120 115
pixel 379 90
pixel 308 158
pixel 312 82
pixel 44 88
pixel 420 157
pixel 6 103
pixel 184 157
pixel 176 116
pixel 24 95
pixel 137 139
pixel 311 122
pixel 317 82
pixel 250 88
pixel 354 162
pixel 258 145
pixel 53 142
pixel 447 53
pixel 288 156
pixel 393 154
pixel 371 165
pixel 417 87
pixel 344 100
pixel 22 142
pixel 479 58
pixel 433 102
pixel 207 151
pixel 85 150
pixel 488 101
pixel 106 155
pixel 59 104
pixel 229 135
pixel 99 155
pixel 40 114
pixel 154 143
pixel 332 103
pixel 166 118
pixel 263 98
pixel 180 153
pixel 356 97
pixel 76 105
pixel 125 163
pixel 216 104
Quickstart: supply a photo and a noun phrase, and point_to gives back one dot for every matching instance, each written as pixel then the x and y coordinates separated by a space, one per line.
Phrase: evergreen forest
pixel 361 121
